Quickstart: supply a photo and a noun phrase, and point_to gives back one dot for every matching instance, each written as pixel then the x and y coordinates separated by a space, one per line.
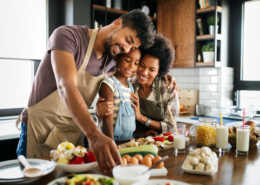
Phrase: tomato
pixel 171 138
pixel 78 160
pixel 167 133
pixel 89 157
pixel 87 183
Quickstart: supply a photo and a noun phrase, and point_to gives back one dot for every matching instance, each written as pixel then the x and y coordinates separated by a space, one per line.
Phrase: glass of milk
pixel 179 140
pixel 222 138
pixel 242 140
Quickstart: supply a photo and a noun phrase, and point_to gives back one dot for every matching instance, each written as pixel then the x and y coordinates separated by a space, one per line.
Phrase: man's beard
pixel 108 47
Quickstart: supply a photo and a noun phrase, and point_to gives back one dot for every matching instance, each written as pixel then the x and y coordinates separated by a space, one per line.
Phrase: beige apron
pixel 49 122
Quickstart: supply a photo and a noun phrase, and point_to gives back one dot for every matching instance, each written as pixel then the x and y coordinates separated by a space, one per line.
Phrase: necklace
pixel 144 95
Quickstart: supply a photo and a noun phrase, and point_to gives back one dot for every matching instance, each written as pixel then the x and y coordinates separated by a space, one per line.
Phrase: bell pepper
pixel 171 138
pixel 78 160
pixel 89 157
pixel 158 139
pixel 167 133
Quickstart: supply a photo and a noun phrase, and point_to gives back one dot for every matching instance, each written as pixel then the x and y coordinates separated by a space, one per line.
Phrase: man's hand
pixel 169 79
pixel 105 151
pixel 104 108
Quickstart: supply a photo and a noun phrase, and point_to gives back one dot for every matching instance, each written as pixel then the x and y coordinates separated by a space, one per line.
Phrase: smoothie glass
pixel 222 138
pixel 242 140
pixel 179 140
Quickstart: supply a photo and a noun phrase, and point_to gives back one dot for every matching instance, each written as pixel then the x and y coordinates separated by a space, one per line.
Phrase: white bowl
pixel 76 168
pixel 129 174
pixel 160 181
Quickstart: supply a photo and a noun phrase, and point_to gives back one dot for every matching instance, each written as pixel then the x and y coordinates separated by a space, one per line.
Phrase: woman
pixel 151 93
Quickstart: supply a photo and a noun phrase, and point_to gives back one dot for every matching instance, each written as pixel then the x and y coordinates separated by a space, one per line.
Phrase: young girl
pixel 120 125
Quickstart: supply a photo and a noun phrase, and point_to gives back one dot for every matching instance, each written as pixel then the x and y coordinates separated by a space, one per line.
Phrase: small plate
pixel 63 179
pixel 160 182
pixel 12 171
pixel 76 168
pixel 199 172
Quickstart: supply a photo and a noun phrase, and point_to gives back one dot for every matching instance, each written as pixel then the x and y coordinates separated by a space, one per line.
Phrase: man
pixel 67 81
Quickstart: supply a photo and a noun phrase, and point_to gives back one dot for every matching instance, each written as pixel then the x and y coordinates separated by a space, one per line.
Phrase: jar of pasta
pixel 205 132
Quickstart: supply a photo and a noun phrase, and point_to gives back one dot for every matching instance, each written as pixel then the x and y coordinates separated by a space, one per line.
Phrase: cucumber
pixel 145 148
pixel 132 154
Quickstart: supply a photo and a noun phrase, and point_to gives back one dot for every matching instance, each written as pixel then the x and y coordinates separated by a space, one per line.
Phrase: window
pixel 245 52
pixel 23 42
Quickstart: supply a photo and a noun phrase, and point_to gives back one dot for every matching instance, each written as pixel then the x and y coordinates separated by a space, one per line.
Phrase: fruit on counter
pixel 89 157
pixel 64 146
pixel 142 150
pixel 167 133
pixel 158 139
pixel 171 138
pixel 63 159
pixel 201 159
pixel 67 155
pixel 78 160
pixel 181 107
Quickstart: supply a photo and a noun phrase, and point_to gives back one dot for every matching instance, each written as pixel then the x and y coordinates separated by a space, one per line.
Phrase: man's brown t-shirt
pixel 72 39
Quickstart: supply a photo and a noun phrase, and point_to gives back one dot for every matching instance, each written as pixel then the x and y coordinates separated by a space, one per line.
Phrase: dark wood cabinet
pixel 176 21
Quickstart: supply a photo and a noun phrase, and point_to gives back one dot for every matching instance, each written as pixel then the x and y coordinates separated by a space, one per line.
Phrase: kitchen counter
pixel 232 169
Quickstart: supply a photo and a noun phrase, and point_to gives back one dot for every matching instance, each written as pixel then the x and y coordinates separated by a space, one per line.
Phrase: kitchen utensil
pixel 157 163
pixel 199 110
pixel 30 171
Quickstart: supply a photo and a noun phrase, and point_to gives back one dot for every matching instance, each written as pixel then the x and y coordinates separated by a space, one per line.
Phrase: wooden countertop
pixel 232 169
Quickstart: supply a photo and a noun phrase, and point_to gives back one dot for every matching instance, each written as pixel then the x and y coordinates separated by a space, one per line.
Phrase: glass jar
pixel 205 132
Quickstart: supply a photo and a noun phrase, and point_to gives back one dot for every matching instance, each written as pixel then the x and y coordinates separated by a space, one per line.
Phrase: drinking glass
pixel 242 140
pixel 222 138
pixel 179 139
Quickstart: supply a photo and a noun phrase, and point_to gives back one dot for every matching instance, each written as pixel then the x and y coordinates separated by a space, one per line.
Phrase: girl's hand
pixel 151 133
pixel 136 105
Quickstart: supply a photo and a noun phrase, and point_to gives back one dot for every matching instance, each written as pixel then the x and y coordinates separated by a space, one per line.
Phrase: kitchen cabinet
pixel 176 21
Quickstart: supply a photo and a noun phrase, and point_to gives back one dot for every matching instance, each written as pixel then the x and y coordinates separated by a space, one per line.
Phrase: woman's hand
pixel 169 79
pixel 136 106
pixel 104 108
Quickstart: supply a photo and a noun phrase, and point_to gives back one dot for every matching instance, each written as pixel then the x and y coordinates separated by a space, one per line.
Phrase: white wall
pixel 215 86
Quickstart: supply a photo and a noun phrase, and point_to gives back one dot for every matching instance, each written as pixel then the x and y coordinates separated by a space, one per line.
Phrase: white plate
pixel 199 172
pixel 63 179
pixel 160 182
pixel 76 168
pixel 16 168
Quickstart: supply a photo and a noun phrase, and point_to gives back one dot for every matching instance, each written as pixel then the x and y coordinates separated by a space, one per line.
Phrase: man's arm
pixel 65 72
pixel 107 93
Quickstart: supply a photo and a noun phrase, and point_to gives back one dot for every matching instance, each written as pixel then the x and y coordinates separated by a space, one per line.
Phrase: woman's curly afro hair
pixel 142 24
pixel 163 50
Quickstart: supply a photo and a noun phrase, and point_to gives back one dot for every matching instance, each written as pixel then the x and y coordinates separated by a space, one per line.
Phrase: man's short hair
pixel 163 50
pixel 142 24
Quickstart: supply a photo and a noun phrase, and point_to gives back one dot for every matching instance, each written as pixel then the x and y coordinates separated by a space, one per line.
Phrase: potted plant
pixel 211 24
pixel 207 53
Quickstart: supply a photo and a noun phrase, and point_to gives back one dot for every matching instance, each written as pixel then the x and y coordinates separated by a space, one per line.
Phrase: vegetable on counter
pixel 143 150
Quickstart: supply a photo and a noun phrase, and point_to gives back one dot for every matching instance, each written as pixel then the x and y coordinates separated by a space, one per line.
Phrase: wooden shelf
pixel 112 10
pixel 208 37
pixel 205 64
pixel 209 9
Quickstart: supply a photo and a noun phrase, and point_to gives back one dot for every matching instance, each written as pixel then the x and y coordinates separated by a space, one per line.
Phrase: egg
pixel 158 158
pixel 149 155
pixel 127 157
pixel 139 157
pixel 133 160
pixel 124 160
pixel 147 161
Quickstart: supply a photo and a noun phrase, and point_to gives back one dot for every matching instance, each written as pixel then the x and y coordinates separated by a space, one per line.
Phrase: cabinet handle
pixel 175 51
